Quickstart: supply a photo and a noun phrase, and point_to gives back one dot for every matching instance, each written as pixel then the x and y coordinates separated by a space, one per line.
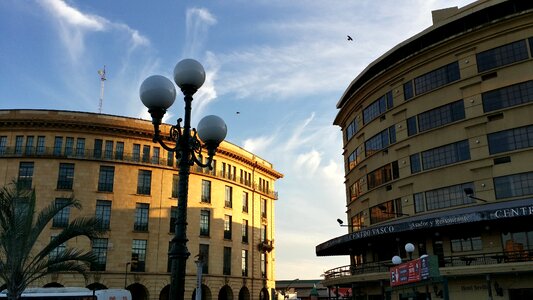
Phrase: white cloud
pixel 197 24
pixel 308 162
pixel 74 25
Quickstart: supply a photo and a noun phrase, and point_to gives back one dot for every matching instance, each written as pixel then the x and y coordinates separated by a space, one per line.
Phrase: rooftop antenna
pixel 102 79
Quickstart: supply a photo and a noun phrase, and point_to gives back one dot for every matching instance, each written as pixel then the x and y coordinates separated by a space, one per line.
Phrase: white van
pixel 72 293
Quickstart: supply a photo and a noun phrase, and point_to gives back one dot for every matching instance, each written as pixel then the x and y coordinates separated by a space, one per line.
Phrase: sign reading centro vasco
pixel 486 215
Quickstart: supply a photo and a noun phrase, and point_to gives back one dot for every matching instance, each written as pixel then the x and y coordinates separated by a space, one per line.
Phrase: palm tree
pixel 20 227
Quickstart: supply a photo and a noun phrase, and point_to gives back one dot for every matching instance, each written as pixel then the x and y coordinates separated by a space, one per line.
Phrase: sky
pixel 275 72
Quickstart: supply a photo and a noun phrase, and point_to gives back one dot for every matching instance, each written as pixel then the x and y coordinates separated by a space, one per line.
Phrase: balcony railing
pixel 136 158
pixel 446 261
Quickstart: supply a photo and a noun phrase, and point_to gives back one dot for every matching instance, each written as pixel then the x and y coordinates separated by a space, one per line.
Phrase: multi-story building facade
pixel 438 149
pixel 111 165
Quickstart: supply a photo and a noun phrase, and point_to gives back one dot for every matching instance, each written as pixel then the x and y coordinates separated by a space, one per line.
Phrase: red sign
pixel 409 272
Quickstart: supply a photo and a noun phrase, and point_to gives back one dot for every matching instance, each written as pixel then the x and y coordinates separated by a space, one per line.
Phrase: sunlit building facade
pixel 111 165
pixel 438 150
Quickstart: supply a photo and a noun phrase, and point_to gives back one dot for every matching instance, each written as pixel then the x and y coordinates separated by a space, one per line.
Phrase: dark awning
pixel 465 215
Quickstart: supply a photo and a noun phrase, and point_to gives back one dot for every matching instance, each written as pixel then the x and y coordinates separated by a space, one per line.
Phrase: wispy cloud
pixel 73 25
pixel 198 21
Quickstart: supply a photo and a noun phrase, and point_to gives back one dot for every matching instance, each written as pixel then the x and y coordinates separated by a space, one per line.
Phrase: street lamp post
pixel 158 93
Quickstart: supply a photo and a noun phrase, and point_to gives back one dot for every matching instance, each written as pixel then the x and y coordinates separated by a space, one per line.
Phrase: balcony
pixel 90 154
pixel 485 259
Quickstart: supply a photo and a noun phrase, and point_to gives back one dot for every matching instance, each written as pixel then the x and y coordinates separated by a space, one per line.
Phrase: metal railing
pixel 445 261
pixel 91 154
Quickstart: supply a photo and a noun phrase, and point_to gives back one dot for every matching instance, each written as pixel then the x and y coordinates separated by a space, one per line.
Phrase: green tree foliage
pixel 21 262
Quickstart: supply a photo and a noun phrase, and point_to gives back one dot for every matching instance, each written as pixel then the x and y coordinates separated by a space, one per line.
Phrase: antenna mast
pixel 102 79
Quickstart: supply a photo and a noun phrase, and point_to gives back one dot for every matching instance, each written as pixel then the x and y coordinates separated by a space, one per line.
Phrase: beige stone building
pixel 112 166
pixel 438 150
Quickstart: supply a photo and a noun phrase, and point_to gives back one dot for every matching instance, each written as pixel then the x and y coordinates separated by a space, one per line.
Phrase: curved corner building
pixel 438 149
pixel 111 165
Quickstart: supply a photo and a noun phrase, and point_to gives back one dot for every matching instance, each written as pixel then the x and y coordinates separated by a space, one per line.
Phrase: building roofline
pixel 465 20
pixel 226 148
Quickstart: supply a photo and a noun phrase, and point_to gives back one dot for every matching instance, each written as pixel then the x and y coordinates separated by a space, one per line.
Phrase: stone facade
pixel 103 161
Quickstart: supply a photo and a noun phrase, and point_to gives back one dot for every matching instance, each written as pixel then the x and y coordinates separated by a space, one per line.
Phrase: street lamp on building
pixel 158 93
pixel 470 194
pixel 341 223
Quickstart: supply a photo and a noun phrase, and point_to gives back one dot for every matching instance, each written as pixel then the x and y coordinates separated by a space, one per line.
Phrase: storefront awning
pixel 464 215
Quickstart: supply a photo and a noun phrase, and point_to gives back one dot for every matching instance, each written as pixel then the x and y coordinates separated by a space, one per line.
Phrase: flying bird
pixel 349 38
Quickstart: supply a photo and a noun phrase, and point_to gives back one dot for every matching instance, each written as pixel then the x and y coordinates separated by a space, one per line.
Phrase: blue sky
pixel 283 65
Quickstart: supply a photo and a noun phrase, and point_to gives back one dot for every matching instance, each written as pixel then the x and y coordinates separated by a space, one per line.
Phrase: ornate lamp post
pixel 158 93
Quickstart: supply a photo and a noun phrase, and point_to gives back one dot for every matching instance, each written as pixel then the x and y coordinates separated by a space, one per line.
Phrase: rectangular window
pixel 511 139
pixel 441 116
pixel 61 218
pixel 377 108
pixel 437 78
pixel 383 175
pixel 382 212
pixel 173 219
pixel 206 191
pixel 408 90
pixel 138 255
pixel 29 145
pixel 204 254
pixel 204 222
pixel 103 213
pixel 508 96
pixel 58 145
pixel 358 221
pixel 227 227
pixel 170 158
pixel 263 265
pixel 351 129
pixel 141 217
pixel 25 178
pixel 514 185
pixel 245 202
pixel 419 202
pixel 69 146
pixel 40 145
pixel 244 262
pixel 465 244
pixel 65 178
pixel 99 249
pixel 380 141
pixel 58 250
pixel 106 179
pixel 119 151
pixel 263 208
pixel 355 157
pixel 108 152
pixel 155 156
pixel 175 185
pixel 3 144
pixel 18 144
pixel 144 182
pixel 449 196
pixel 415 163
pixel 228 203
pixel 80 147
pixel 263 233
pixel 136 153
pixel 501 56
pixel 245 231
pixel 356 189
pixel 146 153
pixel 97 150
pixel 445 155
pixel 227 261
